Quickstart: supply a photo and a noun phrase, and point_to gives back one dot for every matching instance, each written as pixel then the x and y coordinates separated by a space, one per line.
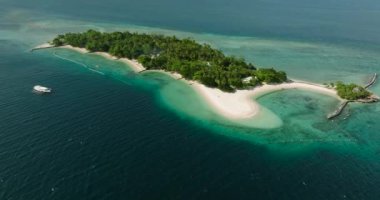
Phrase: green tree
pixel 185 56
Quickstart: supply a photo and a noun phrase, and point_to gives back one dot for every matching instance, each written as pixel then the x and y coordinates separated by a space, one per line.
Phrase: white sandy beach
pixel 136 66
pixel 80 50
pixel 237 105
pixel 241 104
pixel 43 46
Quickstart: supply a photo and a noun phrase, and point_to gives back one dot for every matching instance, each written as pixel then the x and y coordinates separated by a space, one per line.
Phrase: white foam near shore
pixel 237 105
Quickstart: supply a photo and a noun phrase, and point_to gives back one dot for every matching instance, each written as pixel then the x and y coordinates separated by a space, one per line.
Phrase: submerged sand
pixel 238 105
pixel 241 104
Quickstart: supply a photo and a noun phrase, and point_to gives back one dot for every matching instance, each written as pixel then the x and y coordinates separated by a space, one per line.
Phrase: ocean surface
pixel 108 133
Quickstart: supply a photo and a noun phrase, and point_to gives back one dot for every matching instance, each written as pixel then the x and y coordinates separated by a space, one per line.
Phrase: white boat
pixel 41 89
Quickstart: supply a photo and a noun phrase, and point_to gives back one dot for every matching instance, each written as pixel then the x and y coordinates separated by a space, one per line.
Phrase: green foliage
pixel 351 91
pixel 58 41
pixel 253 82
pixel 185 56
pixel 270 76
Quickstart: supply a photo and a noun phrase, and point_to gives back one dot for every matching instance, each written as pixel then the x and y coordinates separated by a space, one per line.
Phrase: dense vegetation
pixel 190 59
pixel 351 91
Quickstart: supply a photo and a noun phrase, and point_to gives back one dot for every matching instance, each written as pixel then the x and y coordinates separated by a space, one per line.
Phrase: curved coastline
pixel 242 104
pixel 238 105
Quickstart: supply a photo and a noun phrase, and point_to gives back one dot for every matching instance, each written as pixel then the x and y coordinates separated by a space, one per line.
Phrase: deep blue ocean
pixel 108 133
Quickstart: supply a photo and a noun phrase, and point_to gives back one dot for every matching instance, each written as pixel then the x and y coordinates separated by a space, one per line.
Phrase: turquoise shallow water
pixel 107 133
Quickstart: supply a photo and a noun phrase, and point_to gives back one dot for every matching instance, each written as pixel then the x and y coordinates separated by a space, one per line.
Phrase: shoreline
pixel 238 105
pixel 136 66
pixel 241 104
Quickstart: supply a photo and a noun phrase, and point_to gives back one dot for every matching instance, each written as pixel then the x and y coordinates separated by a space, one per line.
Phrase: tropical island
pixel 351 91
pixel 228 83
pixel 190 59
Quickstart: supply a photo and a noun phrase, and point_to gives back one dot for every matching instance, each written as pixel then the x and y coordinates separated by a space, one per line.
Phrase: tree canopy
pixel 192 60
pixel 351 91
